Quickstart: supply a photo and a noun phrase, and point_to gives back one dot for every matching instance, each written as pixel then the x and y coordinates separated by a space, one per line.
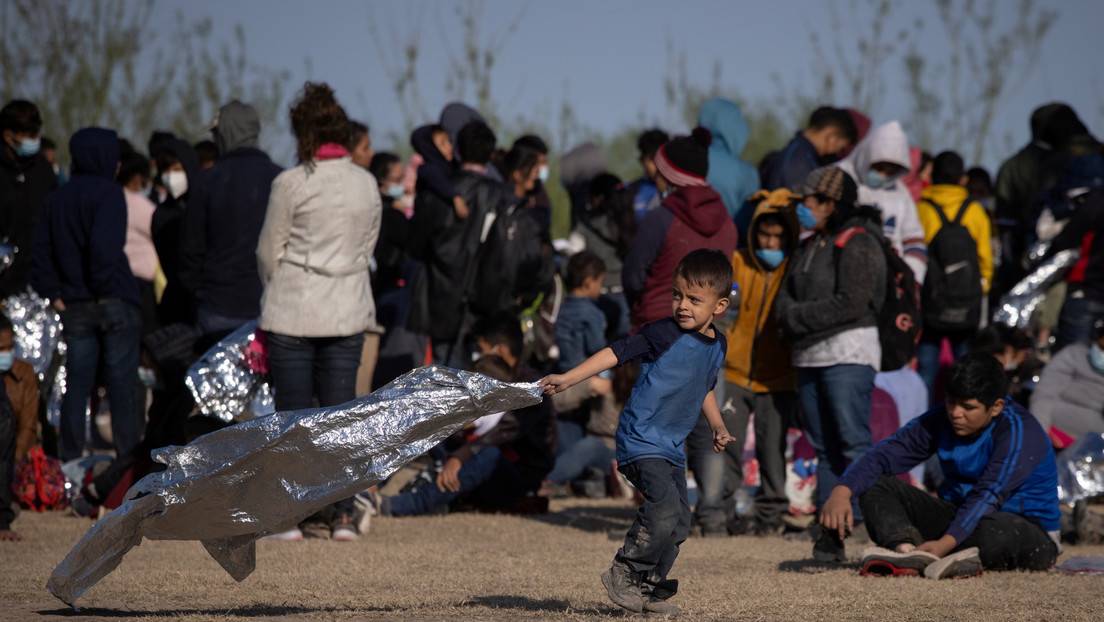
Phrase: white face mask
pixel 176 182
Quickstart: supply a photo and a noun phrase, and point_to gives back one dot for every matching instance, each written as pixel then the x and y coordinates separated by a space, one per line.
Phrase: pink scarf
pixel 330 151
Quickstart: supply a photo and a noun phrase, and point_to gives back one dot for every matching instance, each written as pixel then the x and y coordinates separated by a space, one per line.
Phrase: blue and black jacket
pixel 1007 467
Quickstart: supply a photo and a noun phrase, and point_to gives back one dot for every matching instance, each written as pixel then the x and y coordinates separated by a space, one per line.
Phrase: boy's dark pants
pixel 662 522
pixel 897 513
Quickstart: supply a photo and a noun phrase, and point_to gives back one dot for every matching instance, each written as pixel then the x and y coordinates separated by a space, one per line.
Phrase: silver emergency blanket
pixel 1019 304
pixel 266 475
pixel 37 329
pixel 228 382
pixel 1081 470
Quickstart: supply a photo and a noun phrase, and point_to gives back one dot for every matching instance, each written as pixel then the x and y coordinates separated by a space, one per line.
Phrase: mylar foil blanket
pixel 266 475
pixel 1081 469
pixel 37 329
pixel 1019 304
pixel 228 381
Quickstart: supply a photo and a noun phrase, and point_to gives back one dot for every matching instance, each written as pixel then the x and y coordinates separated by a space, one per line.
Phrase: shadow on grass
pixel 591 519
pixel 249 611
pixel 812 566
pixel 548 605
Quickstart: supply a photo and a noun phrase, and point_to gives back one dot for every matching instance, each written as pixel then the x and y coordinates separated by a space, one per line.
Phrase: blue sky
pixel 608 56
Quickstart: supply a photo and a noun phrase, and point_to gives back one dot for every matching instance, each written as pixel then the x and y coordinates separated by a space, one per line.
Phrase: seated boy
pixel 18 421
pixel 680 358
pixel 505 463
pixel 998 506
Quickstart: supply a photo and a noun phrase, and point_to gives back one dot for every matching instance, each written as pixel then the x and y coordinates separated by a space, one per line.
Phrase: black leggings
pixel 896 513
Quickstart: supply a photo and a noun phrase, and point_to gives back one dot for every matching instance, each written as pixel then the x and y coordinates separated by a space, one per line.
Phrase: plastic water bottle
pixel 728 319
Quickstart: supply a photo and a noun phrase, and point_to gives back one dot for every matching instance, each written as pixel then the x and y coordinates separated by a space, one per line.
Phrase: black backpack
pixel 513 266
pixel 899 316
pixel 952 289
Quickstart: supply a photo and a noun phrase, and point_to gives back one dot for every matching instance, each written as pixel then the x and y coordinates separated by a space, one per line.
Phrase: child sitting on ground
pixel 680 358
pixel 998 506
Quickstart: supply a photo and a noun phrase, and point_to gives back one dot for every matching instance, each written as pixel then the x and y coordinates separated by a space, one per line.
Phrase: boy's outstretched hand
pixel 721 438
pixel 554 383
pixel 836 514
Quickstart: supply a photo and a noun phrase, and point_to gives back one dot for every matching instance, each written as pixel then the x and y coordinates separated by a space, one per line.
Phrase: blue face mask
pixel 27 147
pixel 772 258
pixel 875 180
pixel 395 191
pixel 1096 357
pixel 6 360
pixel 806 217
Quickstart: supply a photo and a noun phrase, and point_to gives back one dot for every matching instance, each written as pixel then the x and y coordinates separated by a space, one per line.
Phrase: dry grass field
pixel 478 567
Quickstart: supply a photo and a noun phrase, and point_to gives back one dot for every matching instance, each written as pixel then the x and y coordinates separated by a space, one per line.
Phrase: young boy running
pixel 680 358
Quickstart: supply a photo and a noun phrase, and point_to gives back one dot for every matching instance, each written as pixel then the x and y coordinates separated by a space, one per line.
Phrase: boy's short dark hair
pixel 977 376
pixel 476 142
pixel 948 168
pixel 133 164
pixel 650 141
pixel 707 268
pixel 993 339
pixel 381 164
pixel 770 218
pixel 534 142
pixel 501 329
pixel 20 115
pixel 206 150
pixel 582 266
pixel 495 367
pixel 838 118
pixel 6 323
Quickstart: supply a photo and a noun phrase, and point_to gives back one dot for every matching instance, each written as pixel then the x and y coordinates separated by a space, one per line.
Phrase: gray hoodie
pixel 236 126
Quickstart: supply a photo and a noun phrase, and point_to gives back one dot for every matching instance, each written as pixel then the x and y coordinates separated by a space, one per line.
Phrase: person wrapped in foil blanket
pixel 233 486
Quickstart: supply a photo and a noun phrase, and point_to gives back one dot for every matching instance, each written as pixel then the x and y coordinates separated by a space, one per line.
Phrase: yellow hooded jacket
pixel 976 220
pixel 758 359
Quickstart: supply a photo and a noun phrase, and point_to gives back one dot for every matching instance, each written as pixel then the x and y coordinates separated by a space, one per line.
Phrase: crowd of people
pixel 843 288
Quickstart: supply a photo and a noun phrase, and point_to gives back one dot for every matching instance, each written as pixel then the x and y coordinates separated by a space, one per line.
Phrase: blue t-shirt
pixel 678 369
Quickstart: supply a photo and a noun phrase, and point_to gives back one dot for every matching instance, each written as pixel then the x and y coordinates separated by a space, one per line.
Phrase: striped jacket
pixel 1008 467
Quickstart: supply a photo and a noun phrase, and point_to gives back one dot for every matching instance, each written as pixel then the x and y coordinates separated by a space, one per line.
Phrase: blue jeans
pixel 718 475
pixel 211 322
pixel 929 350
pixel 662 522
pixel 589 452
pixel 486 467
pixel 835 404
pixel 101 337
pixel 1075 323
pixel 307 367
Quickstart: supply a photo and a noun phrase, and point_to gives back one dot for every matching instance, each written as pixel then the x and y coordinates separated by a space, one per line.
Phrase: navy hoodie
pixel 78 251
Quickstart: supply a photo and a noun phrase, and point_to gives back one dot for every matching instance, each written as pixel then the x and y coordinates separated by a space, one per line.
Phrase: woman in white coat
pixel 319 233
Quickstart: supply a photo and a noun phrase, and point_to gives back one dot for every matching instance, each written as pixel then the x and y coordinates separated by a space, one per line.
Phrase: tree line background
pixel 94 63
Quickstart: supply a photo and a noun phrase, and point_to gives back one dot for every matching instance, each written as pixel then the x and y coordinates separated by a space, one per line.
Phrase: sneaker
pixel 291 535
pixel 829 548
pixel 879 562
pixel 315 529
pixel 965 563
pixel 344 529
pixel 623 587
pixel 661 607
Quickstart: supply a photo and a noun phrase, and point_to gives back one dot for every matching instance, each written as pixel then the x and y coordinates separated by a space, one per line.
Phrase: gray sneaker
pixel 965 563
pixel 661 607
pixel 623 587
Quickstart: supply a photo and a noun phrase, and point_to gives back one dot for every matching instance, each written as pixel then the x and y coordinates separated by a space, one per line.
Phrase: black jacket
pixel 24 184
pixel 829 290
pixel 218 246
pixel 78 251
pixel 391 255
pixel 448 249
pixel 1085 231
pixel 177 305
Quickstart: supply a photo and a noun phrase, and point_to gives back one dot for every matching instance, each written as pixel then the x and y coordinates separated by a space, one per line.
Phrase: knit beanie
pixel 684 160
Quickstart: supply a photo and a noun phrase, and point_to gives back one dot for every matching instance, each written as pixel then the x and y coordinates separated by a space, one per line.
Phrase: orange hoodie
pixel 758 359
